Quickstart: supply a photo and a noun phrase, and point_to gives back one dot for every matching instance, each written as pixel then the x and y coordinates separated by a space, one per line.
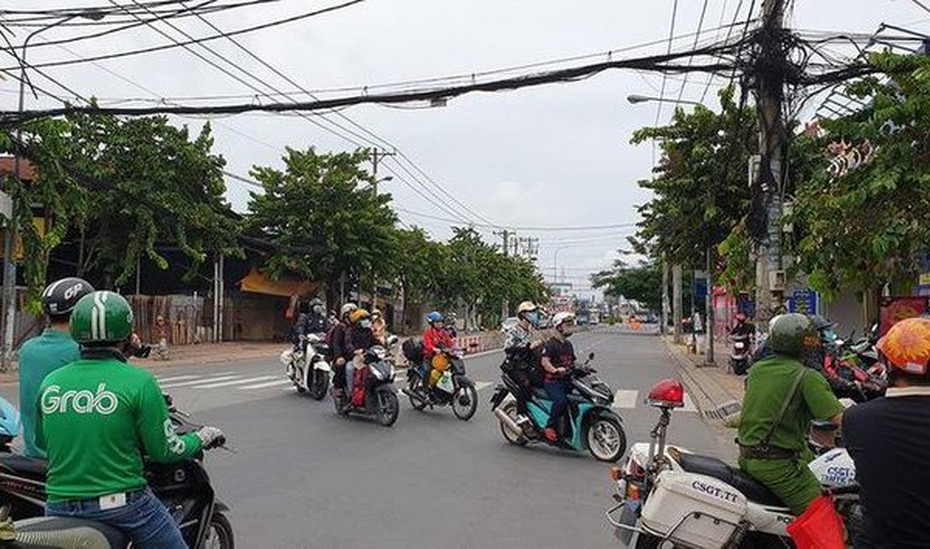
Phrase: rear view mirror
pixel 591 356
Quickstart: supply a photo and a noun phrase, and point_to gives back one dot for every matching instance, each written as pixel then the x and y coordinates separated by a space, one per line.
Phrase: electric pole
pixel 676 301
pixel 375 155
pixel 772 143
pixel 506 236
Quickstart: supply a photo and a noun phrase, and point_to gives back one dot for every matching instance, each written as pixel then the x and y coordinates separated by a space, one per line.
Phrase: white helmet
pixel 562 318
pixel 348 308
pixel 526 307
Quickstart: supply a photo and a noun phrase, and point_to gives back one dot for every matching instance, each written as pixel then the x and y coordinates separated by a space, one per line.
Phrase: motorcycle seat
pixel 27 466
pixel 540 393
pixel 68 532
pixel 713 467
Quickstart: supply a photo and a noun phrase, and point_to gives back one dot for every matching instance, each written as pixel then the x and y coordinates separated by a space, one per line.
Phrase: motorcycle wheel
pixel 319 386
pixel 220 535
pixel 465 401
pixel 414 385
pixel 606 439
pixel 510 408
pixel 388 407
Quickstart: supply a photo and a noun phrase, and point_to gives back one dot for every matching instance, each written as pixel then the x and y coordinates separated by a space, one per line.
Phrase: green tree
pixel 322 213
pixel 641 281
pixel 417 266
pixel 867 227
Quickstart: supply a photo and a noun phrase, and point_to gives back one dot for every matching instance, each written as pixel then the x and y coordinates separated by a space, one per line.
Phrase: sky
pixel 552 156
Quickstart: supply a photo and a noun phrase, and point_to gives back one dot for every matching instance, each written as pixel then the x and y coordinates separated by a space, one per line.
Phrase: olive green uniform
pixel 767 387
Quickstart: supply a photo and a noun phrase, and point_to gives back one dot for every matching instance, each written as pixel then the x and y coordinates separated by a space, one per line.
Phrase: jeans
pixel 350 376
pixel 143 518
pixel 558 394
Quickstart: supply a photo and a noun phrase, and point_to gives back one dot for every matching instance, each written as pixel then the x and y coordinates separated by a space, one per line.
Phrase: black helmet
pixel 60 297
pixel 820 323
pixel 792 334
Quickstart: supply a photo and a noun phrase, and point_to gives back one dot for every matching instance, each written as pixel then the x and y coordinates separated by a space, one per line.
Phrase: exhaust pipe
pixel 507 420
pixel 413 395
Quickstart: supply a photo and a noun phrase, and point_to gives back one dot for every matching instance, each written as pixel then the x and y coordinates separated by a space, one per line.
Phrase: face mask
pixel 533 317
pixel 364 323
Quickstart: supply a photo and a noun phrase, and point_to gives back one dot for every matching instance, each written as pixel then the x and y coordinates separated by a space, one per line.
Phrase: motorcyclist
pixel 558 358
pixel 782 397
pixel 313 320
pixel 359 338
pixel 742 327
pixel 435 338
pixel 96 439
pixel 379 326
pixel 519 345
pixel 886 437
pixel 47 352
pixel 337 344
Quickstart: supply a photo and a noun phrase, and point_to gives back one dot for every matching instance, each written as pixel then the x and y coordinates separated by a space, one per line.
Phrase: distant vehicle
pixel 509 323
pixel 595 319
pixel 582 319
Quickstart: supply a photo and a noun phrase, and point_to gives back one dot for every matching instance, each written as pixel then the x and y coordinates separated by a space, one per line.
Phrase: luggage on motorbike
pixel 413 350
pixel 359 379
pixel 702 511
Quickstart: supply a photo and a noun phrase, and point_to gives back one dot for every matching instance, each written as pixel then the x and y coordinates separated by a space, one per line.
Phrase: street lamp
pixel 9 267
pixel 634 99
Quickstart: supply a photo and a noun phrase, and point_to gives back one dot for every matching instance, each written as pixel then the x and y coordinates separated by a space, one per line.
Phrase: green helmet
pixel 792 334
pixel 101 317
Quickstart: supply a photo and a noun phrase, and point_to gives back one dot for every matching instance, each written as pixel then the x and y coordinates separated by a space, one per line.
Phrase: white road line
pixel 626 398
pixel 689 404
pixel 174 378
pixel 263 385
pixel 198 381
pixel 210 385
pixel 479 385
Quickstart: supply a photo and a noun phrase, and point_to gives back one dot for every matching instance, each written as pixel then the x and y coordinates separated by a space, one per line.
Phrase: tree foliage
pixel 641 282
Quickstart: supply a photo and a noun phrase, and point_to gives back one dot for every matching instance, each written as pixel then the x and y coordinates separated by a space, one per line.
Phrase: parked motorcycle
pixel 741 356
pixel 669 497
pixel 374 395
pixel 310 376
pixel 183 487
pixel 452 388
pixel 591 423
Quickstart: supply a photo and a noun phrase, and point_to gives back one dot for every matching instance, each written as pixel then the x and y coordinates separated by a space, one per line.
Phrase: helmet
pixel 316 301
pixel 820 323
pixel 359 314
pixel 562 318
pixel 434 317
pixel 60 297
pixel 791 334
pixel 101 318
pixel 906 346
pixel 377 312
pixel 526 307
pixel 348 308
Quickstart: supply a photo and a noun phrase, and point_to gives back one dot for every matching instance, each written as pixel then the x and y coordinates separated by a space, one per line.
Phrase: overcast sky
pixel 557 155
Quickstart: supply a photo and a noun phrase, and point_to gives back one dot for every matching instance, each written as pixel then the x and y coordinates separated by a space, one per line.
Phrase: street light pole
pixel 9 238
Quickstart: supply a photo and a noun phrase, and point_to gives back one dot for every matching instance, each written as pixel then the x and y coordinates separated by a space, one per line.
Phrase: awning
pixel 256 282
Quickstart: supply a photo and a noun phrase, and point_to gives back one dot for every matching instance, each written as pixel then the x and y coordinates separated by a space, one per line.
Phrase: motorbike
pixel 307 366
pixel 183 487
pixel 741 356
pixel 590 422
pixel 376 396
pixel 669 497
pixel 453 387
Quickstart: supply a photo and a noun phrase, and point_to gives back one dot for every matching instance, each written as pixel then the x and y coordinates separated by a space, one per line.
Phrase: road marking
pixel 689 404
pixel 626 398
pixel 264 385
pixel 211 385
pixel 198 381
pixel 174 378
pixel 479 385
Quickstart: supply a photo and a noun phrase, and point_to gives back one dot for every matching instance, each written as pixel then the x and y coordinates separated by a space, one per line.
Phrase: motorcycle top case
pixel 705 510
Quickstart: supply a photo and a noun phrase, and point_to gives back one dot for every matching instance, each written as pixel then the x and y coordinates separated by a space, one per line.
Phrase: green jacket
pixel 39 357
pixel 97 418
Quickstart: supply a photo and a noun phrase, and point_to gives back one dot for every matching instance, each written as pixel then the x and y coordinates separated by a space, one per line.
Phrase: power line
pixel 671 34
pixel 739 6
pixel 681 90
pixel 527 229
pixel 922 5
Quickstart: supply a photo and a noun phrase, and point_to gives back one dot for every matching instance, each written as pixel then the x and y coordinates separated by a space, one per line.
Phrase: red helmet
pixel 906 346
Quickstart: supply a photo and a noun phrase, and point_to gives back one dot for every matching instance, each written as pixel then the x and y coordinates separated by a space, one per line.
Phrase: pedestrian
pixel 161 334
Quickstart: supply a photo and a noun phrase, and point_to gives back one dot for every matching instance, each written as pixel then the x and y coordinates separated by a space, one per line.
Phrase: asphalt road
pixel 304 477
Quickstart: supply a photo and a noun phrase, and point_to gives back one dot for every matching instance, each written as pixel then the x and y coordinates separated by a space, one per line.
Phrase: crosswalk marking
pixel 626 398
pixel 689 404
pixel 173 378
pixel 266 384
pixel 479 385
pixel 209 384
pixel 197 382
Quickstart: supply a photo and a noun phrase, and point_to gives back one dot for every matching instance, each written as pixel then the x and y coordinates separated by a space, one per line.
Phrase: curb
pixel 715 402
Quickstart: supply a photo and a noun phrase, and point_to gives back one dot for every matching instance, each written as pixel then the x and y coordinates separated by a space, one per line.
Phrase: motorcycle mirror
pixel 591 356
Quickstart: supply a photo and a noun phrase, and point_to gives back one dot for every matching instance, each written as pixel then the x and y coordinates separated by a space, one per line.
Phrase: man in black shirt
pixel 888 440
pixel 558 358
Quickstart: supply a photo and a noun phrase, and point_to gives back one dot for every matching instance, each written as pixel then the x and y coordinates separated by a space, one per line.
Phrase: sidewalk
pixel 717 393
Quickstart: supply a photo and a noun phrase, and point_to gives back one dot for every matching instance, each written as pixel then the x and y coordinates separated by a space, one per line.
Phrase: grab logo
pixel 80 402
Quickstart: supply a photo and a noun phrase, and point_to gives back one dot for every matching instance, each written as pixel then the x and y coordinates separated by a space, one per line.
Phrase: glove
pixel 211 437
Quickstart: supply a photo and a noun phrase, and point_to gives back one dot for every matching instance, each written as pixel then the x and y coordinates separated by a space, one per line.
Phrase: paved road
pixel 305 477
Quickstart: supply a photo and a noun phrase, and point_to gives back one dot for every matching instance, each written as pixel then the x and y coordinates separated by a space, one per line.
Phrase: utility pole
pixel 375 156
pixel 709 321
pixel 663 316
pixel 676 301
pixel 772 145
pixel 506 236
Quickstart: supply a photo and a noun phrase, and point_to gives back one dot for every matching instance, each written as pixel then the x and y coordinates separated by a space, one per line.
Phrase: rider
pixel 558 358
pixel 359 338
pixel 885 438
pixel 115 415
pixel 336 340
pixel 782 398
pixel 435 338
pixel 379 326
pixel 314 320
pixel 519 345
pixel 44 354
pixel 742 328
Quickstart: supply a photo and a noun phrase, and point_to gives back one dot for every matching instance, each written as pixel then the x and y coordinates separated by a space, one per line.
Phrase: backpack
pixel 413 350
